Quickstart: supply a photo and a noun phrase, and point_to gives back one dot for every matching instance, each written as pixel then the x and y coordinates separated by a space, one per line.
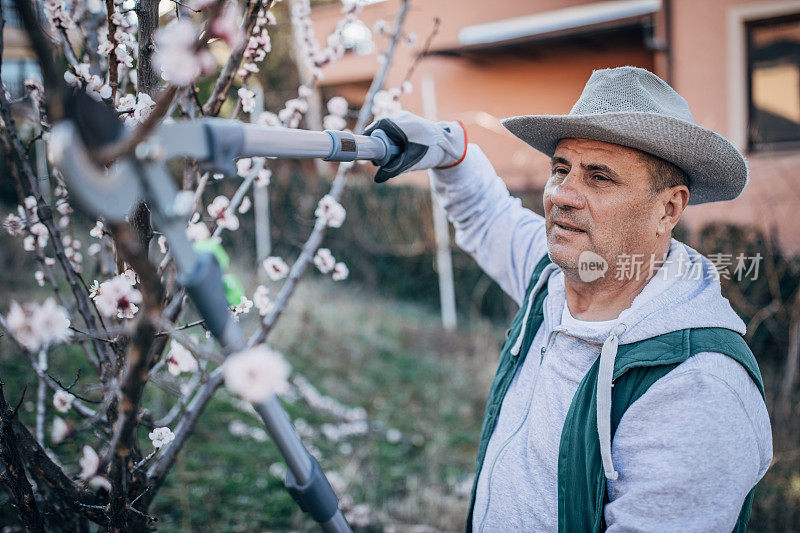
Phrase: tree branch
pixel 318 233
pixel 14 477
pixel 223 83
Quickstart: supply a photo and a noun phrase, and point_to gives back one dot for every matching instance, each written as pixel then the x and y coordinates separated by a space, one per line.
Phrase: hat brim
pixel 717 171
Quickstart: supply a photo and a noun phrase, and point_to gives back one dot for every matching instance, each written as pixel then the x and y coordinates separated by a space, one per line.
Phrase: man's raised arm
pixel 506 239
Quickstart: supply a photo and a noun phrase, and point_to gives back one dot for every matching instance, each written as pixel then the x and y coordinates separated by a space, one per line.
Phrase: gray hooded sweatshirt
pixel 685 454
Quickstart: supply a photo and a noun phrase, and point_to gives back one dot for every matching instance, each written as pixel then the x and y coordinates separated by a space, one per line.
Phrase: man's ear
pixel 674 199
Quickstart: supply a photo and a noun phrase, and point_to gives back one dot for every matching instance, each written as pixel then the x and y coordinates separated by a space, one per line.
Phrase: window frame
pixel 765 147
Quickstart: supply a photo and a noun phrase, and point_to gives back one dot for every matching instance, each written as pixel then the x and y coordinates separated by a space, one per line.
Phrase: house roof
pixel 556 23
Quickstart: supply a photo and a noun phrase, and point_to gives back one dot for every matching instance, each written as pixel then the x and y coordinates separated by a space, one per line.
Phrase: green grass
pixel 391 359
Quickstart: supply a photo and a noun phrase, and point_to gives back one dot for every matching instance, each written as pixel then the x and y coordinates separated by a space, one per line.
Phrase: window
pixel 773 55
pixel 15 72
pixel 10 14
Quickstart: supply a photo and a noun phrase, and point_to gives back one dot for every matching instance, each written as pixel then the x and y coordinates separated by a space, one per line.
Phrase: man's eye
pixel 600 177
pixel 560 171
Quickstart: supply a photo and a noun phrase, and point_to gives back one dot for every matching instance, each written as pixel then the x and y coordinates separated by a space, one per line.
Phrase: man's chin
pixel 563 255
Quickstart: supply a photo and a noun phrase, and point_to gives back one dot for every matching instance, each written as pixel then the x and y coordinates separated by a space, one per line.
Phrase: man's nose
pixel 566 195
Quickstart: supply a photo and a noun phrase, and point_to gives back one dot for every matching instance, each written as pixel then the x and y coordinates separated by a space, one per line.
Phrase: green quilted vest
pixel 582 491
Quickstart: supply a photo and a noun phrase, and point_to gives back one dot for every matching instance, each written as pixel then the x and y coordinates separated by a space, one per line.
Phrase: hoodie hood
pixel 683 293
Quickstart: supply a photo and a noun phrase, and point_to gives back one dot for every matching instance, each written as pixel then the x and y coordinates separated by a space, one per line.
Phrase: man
pixel 682 438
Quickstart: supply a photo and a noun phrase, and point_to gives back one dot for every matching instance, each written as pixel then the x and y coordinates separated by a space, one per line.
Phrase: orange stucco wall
pixel 481 89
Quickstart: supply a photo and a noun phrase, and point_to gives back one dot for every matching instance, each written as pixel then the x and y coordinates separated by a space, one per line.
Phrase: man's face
pixel 598 198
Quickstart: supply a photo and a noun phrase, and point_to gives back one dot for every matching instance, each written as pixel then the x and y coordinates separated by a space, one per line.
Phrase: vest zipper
pixel 513 435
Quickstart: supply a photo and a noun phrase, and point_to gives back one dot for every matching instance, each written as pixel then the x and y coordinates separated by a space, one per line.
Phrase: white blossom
pixel 59 431
pixel 89 463
pixel 13 224
pixel 243 166
pixel 97 230
pixel 276 268
pixel 197 231
pixel 179 359
pixel 243 307
pixel 385 105
pixel 393 435
pixel 262 301
pixel 161 437
pixel 237 428
pixel 41 233
pixel 337 106
pixel 340 272
pixel 324 260
pixel 35 326
pixel 263 177
pixel 248 99
pixel 62 400
pixel 257 373
pixel 39 276
pixel 334 122
pixel 330 211
pixel 94 248
pixel 244 205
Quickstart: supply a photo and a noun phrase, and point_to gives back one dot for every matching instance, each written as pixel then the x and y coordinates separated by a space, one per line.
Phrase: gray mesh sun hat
pixel 633 107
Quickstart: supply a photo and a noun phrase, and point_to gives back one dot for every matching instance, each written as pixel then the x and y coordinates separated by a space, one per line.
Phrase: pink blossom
pixel 276 268
pixel 175 54
pixel 227 25
pixel 117 297
pixel 179 359
pixel 257 373
pixel 324 260
pixel 224 217
pixel 330 211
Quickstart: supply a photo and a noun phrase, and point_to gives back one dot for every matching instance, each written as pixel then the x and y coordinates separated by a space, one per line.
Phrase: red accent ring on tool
pixel 465 148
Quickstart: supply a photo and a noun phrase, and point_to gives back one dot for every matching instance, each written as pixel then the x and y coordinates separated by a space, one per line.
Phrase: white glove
pixel 423 144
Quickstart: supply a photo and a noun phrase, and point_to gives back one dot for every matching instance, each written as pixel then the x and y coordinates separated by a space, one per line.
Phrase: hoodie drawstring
pixel 543 277
pixel 605 376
